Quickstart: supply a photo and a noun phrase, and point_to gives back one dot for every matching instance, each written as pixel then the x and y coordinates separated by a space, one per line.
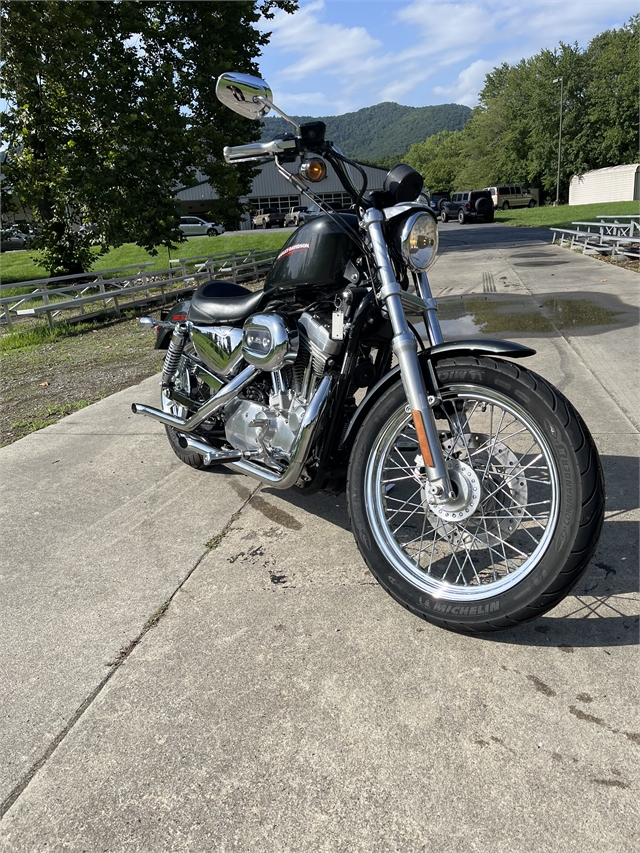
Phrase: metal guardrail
pixel 55 296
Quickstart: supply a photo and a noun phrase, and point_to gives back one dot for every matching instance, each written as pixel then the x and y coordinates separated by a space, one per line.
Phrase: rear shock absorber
pixel 174 352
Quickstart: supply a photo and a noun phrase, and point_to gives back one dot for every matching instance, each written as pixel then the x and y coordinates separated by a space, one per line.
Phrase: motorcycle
pixel 474 489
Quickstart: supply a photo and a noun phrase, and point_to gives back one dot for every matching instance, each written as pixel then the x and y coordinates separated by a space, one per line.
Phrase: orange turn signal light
pixel 314 170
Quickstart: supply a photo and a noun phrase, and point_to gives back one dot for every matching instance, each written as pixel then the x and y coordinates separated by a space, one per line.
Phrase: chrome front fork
pixel 406 351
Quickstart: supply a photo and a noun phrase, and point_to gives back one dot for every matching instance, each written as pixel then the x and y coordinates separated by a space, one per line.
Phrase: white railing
pixel 88 295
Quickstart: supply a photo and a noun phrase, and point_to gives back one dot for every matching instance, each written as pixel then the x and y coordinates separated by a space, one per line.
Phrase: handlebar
pixel 257 150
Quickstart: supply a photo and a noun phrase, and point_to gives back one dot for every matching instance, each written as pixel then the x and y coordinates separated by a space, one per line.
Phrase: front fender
pixel 450 349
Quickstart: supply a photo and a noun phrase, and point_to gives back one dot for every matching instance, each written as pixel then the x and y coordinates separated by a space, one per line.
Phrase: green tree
pixel 111 105
pixel 438 159
pixel 512 136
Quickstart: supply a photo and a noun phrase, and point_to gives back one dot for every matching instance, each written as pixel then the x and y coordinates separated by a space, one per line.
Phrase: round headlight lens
pixel 419 241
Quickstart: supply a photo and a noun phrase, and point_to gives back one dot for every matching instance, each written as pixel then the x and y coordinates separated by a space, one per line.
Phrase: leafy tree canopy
pixel 112 105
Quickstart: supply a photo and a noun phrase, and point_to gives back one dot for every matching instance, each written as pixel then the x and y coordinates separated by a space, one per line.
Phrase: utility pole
pixel 557 201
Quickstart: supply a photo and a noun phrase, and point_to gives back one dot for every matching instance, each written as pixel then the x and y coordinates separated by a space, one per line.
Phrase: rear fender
pixel 451 349
pixel 177 313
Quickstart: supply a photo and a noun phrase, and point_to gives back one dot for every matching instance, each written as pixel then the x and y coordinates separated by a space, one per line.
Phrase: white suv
pixel 511 195
pixel 193 226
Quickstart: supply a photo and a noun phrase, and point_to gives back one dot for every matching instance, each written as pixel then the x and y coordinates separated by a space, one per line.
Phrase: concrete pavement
pixel 193 663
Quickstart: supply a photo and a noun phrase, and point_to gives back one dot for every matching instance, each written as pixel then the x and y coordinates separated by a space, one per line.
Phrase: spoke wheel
pixel 526 508
pixel 492 533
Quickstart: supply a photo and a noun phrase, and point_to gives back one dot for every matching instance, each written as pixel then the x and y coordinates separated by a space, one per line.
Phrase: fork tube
pixel 430 314
pixel 406 351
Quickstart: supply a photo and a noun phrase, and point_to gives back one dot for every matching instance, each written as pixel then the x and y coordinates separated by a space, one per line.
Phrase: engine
pixel 267 418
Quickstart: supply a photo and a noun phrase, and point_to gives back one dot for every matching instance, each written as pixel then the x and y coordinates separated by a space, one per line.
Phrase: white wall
pixel 615 183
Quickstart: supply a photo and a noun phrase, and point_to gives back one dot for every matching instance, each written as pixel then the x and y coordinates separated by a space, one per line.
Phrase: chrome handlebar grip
pixel 257 150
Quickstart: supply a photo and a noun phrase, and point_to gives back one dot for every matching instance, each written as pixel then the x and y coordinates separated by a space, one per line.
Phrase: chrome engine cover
pixel 253 426
pixel 269 341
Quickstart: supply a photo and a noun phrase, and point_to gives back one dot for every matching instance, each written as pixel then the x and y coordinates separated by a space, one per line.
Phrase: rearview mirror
pixel 242 94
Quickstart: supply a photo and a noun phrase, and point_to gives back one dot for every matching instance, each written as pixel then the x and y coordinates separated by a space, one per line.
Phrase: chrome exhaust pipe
pixel 218 401
pixel 214 454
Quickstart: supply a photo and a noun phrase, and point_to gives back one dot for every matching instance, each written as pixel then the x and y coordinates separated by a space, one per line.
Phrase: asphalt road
pixel 193 663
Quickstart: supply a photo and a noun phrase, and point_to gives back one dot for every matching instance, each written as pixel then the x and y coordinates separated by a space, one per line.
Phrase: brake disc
pixel 489 500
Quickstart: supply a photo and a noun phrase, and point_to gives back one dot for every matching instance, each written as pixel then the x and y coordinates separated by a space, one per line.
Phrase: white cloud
pixel 325 47
pixel 466 87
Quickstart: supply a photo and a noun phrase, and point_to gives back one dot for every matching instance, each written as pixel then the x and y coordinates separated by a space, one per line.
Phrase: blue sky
pixel 336 56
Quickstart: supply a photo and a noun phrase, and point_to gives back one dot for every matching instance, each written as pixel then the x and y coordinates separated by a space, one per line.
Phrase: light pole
pixel 557 201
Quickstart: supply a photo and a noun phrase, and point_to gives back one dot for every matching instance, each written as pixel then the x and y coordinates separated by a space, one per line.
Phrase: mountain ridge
pixel 380 131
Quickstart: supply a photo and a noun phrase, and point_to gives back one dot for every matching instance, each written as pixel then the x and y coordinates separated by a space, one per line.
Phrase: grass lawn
pixel 21 266
pixel 563 215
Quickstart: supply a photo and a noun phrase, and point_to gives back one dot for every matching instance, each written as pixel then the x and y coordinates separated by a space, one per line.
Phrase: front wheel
pixel 528 505
pixel 532 203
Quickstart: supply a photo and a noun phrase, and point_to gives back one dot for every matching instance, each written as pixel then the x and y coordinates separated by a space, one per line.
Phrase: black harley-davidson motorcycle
pixel 474 488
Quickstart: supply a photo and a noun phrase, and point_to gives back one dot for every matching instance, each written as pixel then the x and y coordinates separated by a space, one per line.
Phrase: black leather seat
pixel 223 302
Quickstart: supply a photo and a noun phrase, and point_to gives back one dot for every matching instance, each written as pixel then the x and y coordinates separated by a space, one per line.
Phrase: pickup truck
pixel 268 218
pixel 295 217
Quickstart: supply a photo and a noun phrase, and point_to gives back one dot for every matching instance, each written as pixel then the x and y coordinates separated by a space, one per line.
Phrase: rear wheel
pixel 505 205
pixel 528 506
pixel 462 218
pixel 444 216
pixel 183 381
pixel 265 225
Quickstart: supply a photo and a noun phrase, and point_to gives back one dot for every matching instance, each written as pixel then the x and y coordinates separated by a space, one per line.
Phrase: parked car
pixel 468 205
pixel 436 200
pixel 511 195
pixel 268 218
pixel 11 239
pixel 296 216
pixel 194 226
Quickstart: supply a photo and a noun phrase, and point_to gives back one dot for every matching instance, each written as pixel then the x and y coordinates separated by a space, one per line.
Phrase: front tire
pixel 532 203
pixel 529 492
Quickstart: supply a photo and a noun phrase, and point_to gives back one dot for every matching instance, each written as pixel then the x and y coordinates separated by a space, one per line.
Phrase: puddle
pixel 469 316
pixel 540 263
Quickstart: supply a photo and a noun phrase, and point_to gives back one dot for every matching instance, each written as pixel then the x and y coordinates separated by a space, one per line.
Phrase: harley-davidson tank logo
pixel 297 247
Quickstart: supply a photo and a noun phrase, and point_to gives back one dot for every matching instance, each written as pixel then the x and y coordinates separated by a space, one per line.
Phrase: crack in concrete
pixel 115 665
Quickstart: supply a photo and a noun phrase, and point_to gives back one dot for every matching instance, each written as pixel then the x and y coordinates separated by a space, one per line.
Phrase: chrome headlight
pixel 419 241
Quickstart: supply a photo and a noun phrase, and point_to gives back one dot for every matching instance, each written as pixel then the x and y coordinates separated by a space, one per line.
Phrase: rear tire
pixel 524 462
pixel 505 205
pixel 444 216
pixel 462 217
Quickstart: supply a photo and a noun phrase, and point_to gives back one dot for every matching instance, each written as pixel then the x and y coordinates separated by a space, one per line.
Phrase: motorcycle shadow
pixel 602 609
pixel 597 612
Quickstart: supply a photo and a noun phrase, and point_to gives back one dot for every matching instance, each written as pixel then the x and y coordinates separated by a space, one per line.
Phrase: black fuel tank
pixel 315 254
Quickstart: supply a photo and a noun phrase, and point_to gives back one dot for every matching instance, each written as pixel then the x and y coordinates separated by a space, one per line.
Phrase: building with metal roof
pixel 271 190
